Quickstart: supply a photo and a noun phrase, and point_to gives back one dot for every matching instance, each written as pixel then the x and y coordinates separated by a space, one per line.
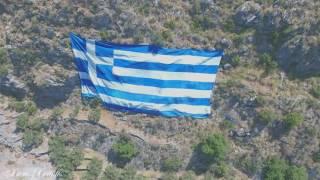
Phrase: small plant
pixel 94 169
pixel 125 149
pixel 22 121
pixel 31 138
pixel 292 120
pixel 266 116
pixel 236 60
pixel 215 147
pixel 267 63
pixel 220 169
pixel 189 175
pixel 94 115
pixel 316 156
pixel 315 91
pixel 274 169
pixel 56 114
pixel 296 173
pixel 172 164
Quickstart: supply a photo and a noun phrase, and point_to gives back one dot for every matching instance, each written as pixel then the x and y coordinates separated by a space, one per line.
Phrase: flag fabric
pixel 146 78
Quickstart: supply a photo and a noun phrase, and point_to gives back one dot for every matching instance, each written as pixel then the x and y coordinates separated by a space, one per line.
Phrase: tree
pixel 94 115
pixel 274 169
pixel 296 173
pixel 171 164
pixel 292 120
pixel 94 169
pixel 215 147
pixel 125 149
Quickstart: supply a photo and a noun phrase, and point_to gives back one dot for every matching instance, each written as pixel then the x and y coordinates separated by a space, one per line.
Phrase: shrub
pixel 215 147
pixel 31 138
pixel 249 165
pixel 94 115
pixel 189 175
pixel 169 176
pixel 171 164
pixel 22 106
pixel 296 173
pixel 315 91
pixel 267 63
pixel 94 169
pixel 56 114
pixel 274 169
pixel 63 158
pixel 236 60
pixel 316 156
pixel 226 124
pixel 4 63
pixel 292 120
pixel 220 169
pixel 22 121
pixel 266 116
pixel 125 149
pixel 111 173
pixel 74 112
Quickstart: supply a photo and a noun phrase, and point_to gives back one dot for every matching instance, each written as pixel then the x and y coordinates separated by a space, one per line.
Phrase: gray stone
pixel 248 14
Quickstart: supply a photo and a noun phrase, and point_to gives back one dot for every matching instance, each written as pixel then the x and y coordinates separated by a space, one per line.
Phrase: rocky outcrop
pixel 248 14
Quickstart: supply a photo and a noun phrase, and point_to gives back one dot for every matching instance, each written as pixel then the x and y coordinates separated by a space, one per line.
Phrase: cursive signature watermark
pixel 30 173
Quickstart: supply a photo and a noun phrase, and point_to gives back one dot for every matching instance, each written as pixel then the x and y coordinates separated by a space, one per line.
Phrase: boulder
pixel 248 14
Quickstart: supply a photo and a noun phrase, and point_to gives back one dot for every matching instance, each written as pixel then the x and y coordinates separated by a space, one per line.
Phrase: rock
pixel 227 66
pixel 248 14
pixel 299 57
pixel 11 85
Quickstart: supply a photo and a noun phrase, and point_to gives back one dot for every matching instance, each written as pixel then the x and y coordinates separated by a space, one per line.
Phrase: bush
pixel 292 120
pixel 94 169
pixel 31 138
pixel 266 116
pixel 94 115
pixel 249 165
pixel 22 121
pixel 315 91
pixel 63 158
pixel 267 63
pixel 169 176
pixel 56 114
pixel 125 149
pixel 24 106
pixel 113 173
pixel 4 63
pixel 274 169
pixel 316 156
pixel 189 175
pixel 215 147
pixel 220 169
pixel 296 173
pixel 171 164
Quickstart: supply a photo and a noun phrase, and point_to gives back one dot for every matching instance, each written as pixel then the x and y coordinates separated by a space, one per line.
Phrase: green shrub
pixel 266 116
pixel 296 173
pixel 31 138
pixel 226 124
pixel 74 112
pixel 274 169
pixel 220 169
pixel 94 169
pixel 229 25
pixel 215 147
pixel 125 149
pixel 236 60
pixel 65 159
pixel 189 175
pixel 171 164
pixel 4 62
pixel 22 121
pixel 292 120
pixel 111 173
pixel 315 91
pixel 24 106
pixel 56 114
pixel 169 176
pixel 94 115
pixel 267 63
pixel 104 35
pixel 316 156
pixel 170 24
pixel 249 165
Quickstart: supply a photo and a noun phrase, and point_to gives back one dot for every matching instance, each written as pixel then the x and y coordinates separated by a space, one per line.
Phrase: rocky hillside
pixel 266 104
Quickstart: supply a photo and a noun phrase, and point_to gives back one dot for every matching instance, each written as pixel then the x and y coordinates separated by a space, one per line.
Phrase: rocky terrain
pixel 266 102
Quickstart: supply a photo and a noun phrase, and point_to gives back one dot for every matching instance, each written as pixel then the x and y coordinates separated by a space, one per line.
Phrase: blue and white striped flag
pixel 146 78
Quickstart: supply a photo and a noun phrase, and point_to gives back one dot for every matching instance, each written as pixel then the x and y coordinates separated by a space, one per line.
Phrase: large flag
pixel 146 78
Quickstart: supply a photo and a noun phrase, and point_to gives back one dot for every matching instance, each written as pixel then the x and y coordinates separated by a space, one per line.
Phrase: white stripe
pixel 166 59
pixel 148 90
pixel 164 75
pixel 159 107
pixel 92 57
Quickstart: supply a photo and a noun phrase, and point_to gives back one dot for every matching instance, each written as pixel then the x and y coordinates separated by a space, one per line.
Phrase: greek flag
pixel 146 78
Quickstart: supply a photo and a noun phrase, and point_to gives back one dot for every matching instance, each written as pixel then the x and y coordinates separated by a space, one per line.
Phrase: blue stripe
pixel 104 52
pixel 77 42
pixel 147 98
pixel 151 112
pixel 105 72
pixel 82 65
pixel 213 69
